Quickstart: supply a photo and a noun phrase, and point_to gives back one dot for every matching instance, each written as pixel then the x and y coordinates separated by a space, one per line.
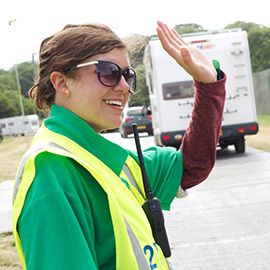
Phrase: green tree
pixel 26 73
pixel 29 106
pixel 7 82
pixel 188 28
pixel 136 46
pixel 259 43
pixel 244 25
pixel 7 106
pixel 10 104
pixel 141 96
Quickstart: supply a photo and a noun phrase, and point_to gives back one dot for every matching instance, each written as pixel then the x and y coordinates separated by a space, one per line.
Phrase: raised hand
pixel 187 56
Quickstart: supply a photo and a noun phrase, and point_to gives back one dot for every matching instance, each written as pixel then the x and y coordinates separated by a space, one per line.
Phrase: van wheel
pixel 240 145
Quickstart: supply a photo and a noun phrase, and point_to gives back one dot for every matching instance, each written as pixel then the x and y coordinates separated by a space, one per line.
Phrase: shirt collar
pixel 66 123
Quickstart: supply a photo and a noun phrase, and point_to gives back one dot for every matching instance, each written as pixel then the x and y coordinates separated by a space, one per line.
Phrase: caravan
pixel 172 93
pixel 19 125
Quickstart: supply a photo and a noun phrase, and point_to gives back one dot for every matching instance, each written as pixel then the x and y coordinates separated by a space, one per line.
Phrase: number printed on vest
pixel 151 251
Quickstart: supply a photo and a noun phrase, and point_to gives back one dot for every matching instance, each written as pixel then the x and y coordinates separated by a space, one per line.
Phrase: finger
pixel 179 38
pixel 169 35
pixel 185 55
pixel 163 36
pixel 174 38
pixel 164 30
pixel 165 42
pixel 167 46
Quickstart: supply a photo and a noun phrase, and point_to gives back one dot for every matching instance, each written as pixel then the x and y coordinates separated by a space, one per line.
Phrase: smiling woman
pixel 74 188
pixel 96 99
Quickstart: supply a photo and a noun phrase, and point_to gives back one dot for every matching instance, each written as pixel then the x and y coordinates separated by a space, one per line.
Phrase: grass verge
pixel 8 254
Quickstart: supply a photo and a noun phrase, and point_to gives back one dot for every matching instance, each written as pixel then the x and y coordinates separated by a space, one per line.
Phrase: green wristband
pixel 217 67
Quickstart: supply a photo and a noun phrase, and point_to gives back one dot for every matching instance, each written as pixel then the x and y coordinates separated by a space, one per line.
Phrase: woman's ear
pixel 59 82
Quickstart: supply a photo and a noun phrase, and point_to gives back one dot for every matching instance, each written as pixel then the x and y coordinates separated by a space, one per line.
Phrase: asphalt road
pixel 222 224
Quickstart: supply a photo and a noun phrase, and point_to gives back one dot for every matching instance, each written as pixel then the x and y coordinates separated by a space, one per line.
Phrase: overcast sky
pixel 36 20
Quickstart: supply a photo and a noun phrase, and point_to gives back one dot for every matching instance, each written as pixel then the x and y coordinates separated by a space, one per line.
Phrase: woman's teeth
pixel 114 102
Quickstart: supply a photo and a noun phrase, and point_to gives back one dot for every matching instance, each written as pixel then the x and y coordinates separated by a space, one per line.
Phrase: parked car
pixel 141 116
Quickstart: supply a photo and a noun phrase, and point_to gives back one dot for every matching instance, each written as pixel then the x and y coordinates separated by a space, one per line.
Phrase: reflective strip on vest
pixel 25 158
pixel 128 173
pixel 142 263
pixel 170 267
pixel 137 250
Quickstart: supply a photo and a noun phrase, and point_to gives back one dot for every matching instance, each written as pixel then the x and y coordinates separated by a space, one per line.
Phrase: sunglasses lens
pixel 130 77
pixel 109 73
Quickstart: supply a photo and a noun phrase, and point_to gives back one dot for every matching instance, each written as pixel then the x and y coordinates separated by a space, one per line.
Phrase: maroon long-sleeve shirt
pixel 200 141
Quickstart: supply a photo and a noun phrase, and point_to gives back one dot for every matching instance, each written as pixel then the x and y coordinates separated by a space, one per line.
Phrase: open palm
pixel 187 56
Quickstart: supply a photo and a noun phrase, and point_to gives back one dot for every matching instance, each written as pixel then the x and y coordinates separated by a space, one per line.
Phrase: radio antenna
pixel 147 188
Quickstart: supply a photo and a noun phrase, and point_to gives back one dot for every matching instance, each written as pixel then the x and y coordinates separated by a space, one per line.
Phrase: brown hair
pixel 64 50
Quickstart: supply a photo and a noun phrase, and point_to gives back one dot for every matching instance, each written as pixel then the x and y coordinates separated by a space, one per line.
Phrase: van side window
pixel 178 90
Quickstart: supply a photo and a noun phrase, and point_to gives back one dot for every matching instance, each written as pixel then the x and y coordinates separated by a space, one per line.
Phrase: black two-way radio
pixel 152 206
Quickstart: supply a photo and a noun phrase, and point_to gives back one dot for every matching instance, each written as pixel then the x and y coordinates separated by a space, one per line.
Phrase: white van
pixel 19 125
pixel 172 93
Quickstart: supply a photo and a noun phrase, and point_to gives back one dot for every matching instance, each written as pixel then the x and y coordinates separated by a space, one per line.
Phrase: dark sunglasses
pixel 109 73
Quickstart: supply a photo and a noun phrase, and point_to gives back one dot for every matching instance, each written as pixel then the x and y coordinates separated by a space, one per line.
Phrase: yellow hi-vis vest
pixel 135 246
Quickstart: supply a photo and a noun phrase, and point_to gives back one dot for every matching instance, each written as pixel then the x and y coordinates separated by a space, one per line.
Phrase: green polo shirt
pixel 65 222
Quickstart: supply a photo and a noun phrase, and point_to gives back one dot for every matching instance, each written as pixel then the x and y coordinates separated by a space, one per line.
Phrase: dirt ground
pixel 12 149
pixel 8 255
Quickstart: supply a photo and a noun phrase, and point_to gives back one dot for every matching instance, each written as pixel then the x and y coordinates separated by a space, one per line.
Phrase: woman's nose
pixel 122 85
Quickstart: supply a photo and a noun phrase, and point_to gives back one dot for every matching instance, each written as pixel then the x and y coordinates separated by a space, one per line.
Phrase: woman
pixel 74 205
